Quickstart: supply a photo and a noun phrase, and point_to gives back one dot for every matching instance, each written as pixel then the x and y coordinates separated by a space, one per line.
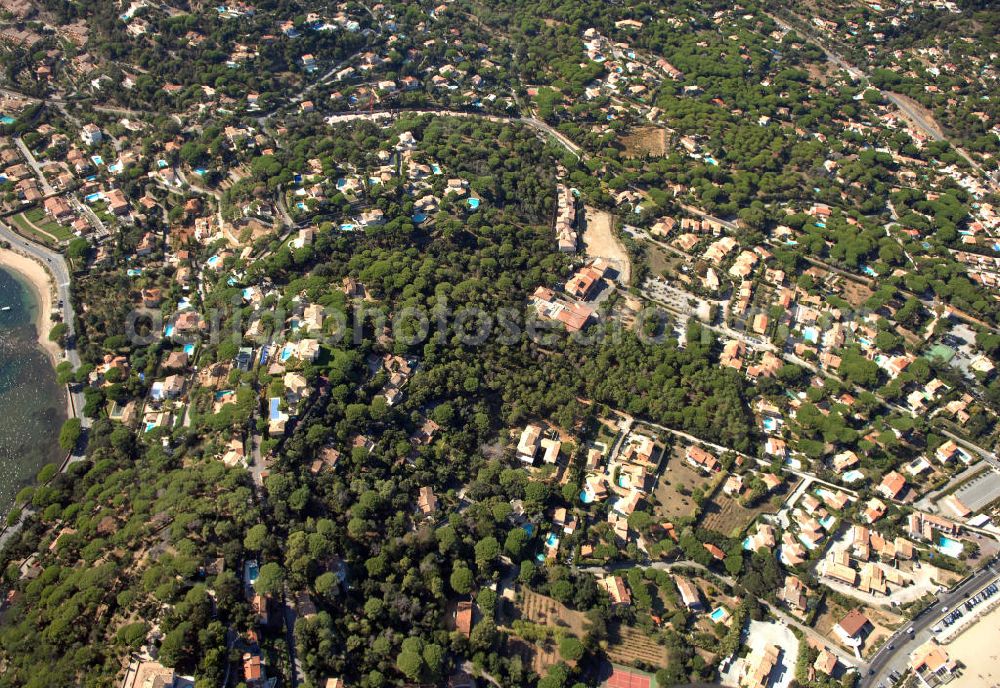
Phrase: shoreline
pixel 35 277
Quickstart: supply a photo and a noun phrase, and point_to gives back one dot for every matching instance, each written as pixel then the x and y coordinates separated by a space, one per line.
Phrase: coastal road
pixel 895 653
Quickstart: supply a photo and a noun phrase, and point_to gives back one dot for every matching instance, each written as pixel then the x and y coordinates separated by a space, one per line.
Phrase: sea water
pixel 32 404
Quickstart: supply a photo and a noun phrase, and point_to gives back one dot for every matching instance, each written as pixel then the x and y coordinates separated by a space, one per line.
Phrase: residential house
pixel 529 443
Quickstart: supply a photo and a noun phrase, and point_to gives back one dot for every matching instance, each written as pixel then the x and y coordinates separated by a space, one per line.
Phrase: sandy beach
pixel 38 279
pixel 977 649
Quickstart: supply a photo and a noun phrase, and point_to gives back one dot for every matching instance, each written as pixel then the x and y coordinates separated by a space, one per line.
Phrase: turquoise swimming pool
pixel 949 547
pixel 852 476
pixel 586 497
pixel 551 540
pixel 718 614
pixel 473 203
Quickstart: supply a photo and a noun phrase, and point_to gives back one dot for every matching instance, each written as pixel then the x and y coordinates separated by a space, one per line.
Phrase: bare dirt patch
pixel 925 115
pixel 672 496
pixel 856 293
pixel 646 141
pixel 599 241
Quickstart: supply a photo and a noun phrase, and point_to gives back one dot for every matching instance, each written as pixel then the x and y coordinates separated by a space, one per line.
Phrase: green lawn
pixel 38 216
pixel 28 230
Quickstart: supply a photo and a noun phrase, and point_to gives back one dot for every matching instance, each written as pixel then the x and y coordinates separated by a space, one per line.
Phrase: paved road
pixel 46 187
pixel 895 653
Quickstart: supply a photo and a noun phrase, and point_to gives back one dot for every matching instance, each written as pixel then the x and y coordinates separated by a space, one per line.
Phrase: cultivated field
pixel 599 241
pixel 546 611
pixel 726 515
pixel 628 645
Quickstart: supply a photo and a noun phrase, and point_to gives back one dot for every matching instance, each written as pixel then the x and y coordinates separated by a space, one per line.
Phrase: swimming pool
pixel 347 227
pixel 746 544
pixel 286 352
pixel 274 408
pixel 200 171
pixel 623 481
pixel 418 217
pixel 189 349
pixel 252 572
pixel 300 205
pixel 133 272
pixel 811 335
pixel 222 394
pixel 435 168
pixel 161 163
pixel 949 547
pixel 168 330
pixel 98 160
pixel 771 424
pixel 718 614
pixel 711 161
pixel 868 270
pixel 529 528
pixel 150 426
pixel 94 197
pixel 828 522
pixel 7 119
pixel 473 203
pixel 551 540
pixel 214 261
pixel 852 476
pixel 341 183
pixel 586 497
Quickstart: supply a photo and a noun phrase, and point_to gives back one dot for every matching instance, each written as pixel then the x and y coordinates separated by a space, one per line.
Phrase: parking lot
pixel 980 491
pixel 966 613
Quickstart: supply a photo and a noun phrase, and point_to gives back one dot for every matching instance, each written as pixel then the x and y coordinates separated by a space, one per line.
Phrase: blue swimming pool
pixel 473 203
pixel 347 227
pixel 949 547
pixel 162 163
pixel 200 171
pixel 286 352
pixel 150 426
pixel 7 119
pixel 529 528
pixel 551 540
pixel 770 423
pixel 711 161
pixel 189 349
pixel 253 572
pixel 98 160
pixel 133 272
pixel 94 197
pixel 718 614
pixel 168 330
pixel 418 217
pixel 214 261
pixel 852 476
pixel 436 168
pixel 341 183
pixel 586 497
pixel 274 408
pixel 222 394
